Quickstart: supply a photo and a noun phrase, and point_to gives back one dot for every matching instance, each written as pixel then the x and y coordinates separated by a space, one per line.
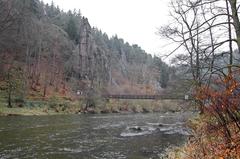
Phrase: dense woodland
pixel 47 52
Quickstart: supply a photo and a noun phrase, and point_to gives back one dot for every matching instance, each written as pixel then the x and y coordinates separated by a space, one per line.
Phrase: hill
pixel 46 52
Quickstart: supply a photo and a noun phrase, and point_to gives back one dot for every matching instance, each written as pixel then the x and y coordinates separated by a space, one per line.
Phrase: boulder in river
pixel 136 128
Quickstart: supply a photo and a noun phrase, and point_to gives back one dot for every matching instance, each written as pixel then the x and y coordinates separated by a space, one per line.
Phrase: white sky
pixel 136 21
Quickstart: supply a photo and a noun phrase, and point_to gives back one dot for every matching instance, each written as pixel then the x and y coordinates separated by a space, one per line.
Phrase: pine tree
pixel 72 29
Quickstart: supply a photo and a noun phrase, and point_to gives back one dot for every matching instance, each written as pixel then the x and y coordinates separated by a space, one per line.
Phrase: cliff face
pixel 60 53
pixel 93 61
pixel 113 65
pixel 89 64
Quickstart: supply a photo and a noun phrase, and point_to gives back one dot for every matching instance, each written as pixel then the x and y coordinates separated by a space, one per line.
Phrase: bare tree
pixel 203 29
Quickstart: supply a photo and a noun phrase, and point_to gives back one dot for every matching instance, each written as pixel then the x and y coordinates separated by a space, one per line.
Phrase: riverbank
pixel 208 141
pixel 110 106
pixel 4 111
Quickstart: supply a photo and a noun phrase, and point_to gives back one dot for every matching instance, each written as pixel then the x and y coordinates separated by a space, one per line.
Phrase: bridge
pixel 150 97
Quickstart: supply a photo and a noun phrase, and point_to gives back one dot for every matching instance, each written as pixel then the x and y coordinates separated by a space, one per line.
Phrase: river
pixel 111 136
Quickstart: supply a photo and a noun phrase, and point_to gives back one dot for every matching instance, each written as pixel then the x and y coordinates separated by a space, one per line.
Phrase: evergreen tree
pixel 72 29
pixel 164 77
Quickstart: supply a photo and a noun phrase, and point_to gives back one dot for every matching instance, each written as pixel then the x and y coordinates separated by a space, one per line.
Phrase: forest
pixel 48 55
pixel 54 62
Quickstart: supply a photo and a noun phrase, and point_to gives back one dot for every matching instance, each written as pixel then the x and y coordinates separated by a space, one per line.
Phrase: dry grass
pixel 4 111
pixel 206 144
pixel 147 105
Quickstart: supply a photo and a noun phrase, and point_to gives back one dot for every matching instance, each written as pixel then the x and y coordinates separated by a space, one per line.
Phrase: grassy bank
pixel 5 111
pixel 65 106
pixel 39 107
pixel 144 106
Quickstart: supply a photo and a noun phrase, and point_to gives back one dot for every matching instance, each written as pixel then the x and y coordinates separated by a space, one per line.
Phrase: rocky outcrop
pixel 93 61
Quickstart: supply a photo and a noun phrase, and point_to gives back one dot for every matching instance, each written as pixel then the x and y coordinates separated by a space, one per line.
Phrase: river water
pixel 112 136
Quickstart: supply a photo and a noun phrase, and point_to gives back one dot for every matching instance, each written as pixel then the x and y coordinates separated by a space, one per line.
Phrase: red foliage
pixel 222 102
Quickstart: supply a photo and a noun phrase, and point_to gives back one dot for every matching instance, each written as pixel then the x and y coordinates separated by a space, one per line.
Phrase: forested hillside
pixel 47 52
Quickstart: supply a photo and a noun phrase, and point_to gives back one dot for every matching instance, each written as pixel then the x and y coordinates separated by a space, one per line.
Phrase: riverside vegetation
pixel 209 33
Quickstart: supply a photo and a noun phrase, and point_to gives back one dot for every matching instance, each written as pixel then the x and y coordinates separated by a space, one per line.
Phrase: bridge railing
pixel 157 97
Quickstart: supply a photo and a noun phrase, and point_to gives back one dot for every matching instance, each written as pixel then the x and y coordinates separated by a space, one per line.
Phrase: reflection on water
pixel 91 136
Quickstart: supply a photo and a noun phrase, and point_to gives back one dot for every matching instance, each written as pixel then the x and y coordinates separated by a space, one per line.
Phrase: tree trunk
pixel 230 40
pixel 9 100
pixel 236 21
pixel 9 91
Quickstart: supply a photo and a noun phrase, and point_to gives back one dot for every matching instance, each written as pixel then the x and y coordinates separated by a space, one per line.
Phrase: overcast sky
pixel 136 21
